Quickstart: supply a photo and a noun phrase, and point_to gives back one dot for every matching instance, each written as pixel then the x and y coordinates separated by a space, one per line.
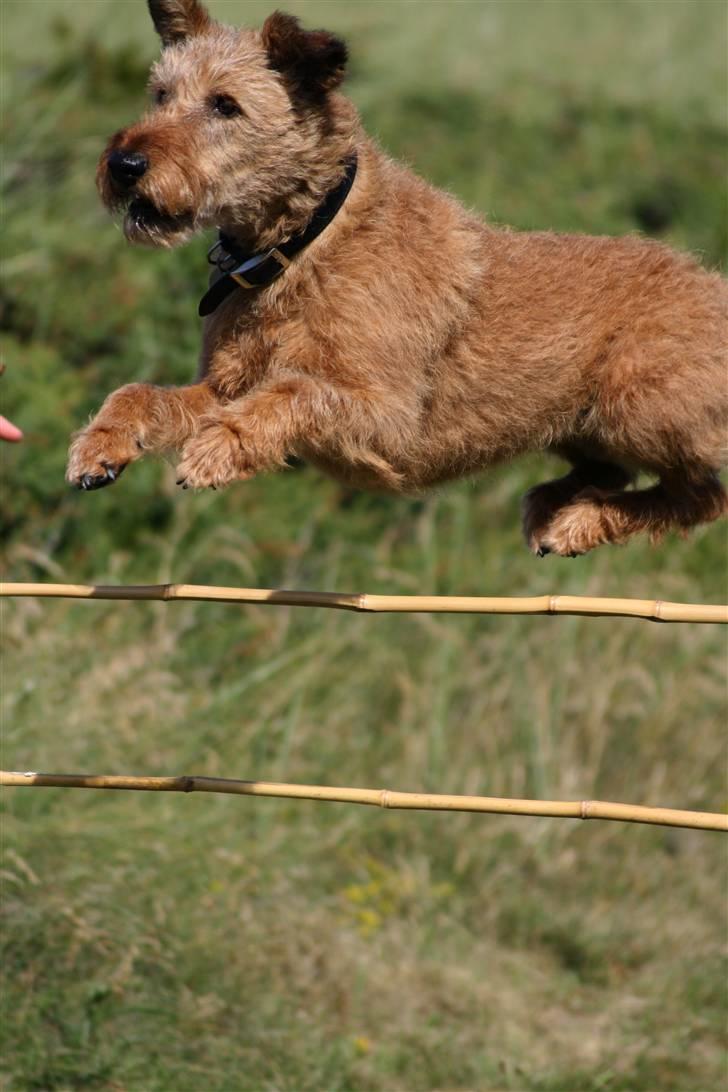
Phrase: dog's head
pixel 241 124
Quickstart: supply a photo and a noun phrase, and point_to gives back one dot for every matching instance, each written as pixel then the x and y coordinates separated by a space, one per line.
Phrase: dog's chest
pixel 240 355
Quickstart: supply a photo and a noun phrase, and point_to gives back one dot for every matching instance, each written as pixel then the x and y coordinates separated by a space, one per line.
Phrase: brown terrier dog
pixel 365 321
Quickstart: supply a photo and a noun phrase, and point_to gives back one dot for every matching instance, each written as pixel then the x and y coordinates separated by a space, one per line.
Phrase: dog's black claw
pixel 97 481
pixel 542 551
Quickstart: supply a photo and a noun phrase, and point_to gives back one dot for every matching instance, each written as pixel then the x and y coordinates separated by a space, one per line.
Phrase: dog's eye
pixel 225 106
pixel 160 95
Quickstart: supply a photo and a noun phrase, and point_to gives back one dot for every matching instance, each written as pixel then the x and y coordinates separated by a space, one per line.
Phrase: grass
pixel 160 943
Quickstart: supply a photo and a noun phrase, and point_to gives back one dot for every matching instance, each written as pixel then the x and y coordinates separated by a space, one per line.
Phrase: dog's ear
pixel 175 20
pixel 311 61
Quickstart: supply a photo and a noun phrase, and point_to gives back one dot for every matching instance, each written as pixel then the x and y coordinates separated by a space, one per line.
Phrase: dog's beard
pixel 148 225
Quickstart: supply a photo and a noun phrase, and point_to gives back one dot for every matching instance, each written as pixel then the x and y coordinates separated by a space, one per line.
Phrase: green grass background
pixel 160 943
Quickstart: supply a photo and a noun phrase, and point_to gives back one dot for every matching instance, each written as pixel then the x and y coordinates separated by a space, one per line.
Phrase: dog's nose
pixel 126 167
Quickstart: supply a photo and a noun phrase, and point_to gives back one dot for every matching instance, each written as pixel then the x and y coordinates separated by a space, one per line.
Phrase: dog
pixel 364 321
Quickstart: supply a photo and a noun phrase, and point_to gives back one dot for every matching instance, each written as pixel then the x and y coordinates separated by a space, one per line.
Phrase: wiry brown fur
pixel 410 343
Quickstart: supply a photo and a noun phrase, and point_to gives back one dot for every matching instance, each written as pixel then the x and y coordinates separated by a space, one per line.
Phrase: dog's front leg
pixel 133 421
pixel 276 419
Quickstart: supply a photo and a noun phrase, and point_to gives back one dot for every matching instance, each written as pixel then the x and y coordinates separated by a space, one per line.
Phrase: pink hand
pixel 9 431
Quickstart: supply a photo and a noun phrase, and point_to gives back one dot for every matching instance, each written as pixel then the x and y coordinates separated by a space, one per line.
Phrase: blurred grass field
pixel 157 943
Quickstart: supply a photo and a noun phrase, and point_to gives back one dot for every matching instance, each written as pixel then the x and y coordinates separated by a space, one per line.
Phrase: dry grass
pixel 310 947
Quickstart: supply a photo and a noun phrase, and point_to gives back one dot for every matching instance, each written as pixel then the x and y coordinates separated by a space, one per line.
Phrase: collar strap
pixel 251 271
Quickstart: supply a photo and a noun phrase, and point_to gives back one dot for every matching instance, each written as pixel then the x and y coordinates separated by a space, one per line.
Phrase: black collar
pixel 259 270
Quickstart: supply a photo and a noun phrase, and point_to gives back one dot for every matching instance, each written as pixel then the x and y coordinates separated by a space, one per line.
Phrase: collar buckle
pixel 260 262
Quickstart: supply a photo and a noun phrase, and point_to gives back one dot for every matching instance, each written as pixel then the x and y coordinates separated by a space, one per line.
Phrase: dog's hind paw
pixel 576 528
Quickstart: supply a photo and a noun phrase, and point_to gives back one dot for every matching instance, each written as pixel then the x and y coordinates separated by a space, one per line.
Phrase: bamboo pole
pixel 652 609
pixel 383 798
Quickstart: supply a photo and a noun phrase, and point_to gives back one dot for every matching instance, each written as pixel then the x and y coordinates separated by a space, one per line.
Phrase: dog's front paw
pixel 213 458
pixel 98 456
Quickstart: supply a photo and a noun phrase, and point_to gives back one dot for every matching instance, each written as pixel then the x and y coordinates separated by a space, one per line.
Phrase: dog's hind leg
pixel 541 503
pixel 596 516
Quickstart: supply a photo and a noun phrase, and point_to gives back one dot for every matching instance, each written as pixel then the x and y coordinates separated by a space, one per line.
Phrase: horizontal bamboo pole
pixel 653 609
pixel 383 798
